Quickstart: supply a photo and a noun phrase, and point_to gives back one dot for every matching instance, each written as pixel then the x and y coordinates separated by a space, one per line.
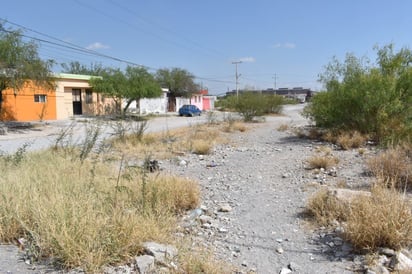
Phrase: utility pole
pixel 275 78
pixel 237 77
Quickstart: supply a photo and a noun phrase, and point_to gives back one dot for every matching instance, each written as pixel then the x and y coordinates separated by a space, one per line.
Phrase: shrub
pixel 382 220
pixel 253 104
pixel 393 166
pixel 326 208
pixel 371 100
pixel 322 161
pixel 348 140
pixel 201 147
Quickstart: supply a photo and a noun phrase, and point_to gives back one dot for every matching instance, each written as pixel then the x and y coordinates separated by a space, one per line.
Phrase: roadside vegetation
pixel 251 105
pixel 366 105
pixel 93 204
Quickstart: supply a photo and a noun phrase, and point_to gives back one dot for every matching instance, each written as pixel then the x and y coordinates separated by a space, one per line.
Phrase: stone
pixel 225 208
pixel 161 253
pixel 3 130
pixel 145 263
pixel 182 163
pixel 293 266
pixel 285 270
pixel 387 251
pixel 204 219
pixel 404 261
pixel 279 250
pixel 347 195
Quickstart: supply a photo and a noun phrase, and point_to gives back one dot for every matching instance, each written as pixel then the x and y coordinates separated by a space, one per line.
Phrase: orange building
pixel 72 96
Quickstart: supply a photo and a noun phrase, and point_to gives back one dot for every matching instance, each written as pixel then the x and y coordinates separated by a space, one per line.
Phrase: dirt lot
pixel 261 180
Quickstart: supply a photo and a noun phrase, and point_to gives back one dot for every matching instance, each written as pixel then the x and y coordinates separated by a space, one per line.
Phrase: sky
pixel 271 43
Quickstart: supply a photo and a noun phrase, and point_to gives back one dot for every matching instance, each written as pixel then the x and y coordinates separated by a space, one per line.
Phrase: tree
pixel 134 84
pixel 76 68
pixel 372 99
pixel 179 81
pixel 20 63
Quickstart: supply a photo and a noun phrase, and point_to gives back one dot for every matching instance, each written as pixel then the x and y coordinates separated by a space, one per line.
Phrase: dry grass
pixel 326 150
pixel 393 167
pixel 84 218
pixel 198 139
pixel 201 147
pixel 326 208
pixel 283 127
pixel 382 220
pixel 233 125
pixel 322 161
pixel 349 140
pixel 195 260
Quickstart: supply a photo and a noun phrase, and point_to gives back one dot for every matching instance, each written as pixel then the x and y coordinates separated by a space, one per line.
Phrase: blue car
pixel 189 110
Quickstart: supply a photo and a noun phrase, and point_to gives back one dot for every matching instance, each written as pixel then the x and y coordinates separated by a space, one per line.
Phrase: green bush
pixel 373 100
pixel 252 104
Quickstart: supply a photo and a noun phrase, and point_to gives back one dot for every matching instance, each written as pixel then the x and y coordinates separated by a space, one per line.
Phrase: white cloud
pixel 97 45
pixel 287 45
pixel 247 59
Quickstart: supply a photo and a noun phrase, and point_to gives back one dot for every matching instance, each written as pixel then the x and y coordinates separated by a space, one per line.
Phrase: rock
pixel 347 195
pixel 387 251
pixel 285 175
pixel 161 253
pixel 182 163
pixel 293 266
pixel 379 269
pixel 3 130
pixel 204 219
pixel 404 261
pixel 225 208
pixel 279 250
pixel 119 270
pixel 195 213
pixel 145 263
pixel 285 270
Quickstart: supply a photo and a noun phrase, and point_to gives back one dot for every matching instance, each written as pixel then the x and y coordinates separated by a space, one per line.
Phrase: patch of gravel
pixel 261 178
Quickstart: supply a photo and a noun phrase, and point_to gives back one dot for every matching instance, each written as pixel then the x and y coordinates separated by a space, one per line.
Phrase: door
pixel 77 101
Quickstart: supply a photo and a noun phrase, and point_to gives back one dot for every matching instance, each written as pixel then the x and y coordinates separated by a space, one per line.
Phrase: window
pixel 89 96
pixel 40 98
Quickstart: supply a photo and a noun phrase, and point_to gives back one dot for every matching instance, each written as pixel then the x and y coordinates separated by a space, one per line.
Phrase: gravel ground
pixel 261 177
pixel 253 194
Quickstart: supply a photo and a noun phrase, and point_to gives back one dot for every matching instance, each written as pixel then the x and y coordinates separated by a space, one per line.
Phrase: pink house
pixel 208 100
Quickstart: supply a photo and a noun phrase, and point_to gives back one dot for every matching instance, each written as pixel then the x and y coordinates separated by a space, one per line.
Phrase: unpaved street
pixel 260 177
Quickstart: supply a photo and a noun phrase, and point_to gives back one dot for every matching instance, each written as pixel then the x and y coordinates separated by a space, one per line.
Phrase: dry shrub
pixel 329 136
pixel 322 161
pixel 382 220
pixel 194 261
pixel 172 193
pixel 393 166
pixel 201 147
pixel 314 133
pixel 198 139
pixel 324 149
pixel 326 208
pixel 234 125
pixel 348 140
pixel 283 127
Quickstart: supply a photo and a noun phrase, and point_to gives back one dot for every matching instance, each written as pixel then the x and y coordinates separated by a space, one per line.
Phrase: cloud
pixel 287 45
pixel 247 59
pixel 97 45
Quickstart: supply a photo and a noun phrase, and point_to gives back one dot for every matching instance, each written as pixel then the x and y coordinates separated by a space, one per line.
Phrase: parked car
pixel 189 110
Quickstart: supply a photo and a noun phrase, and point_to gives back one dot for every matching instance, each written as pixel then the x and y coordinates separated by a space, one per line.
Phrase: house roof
pixel 75 76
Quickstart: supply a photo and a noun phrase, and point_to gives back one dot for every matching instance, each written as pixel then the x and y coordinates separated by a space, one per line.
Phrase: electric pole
pixel 237 77
pixel 275 78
